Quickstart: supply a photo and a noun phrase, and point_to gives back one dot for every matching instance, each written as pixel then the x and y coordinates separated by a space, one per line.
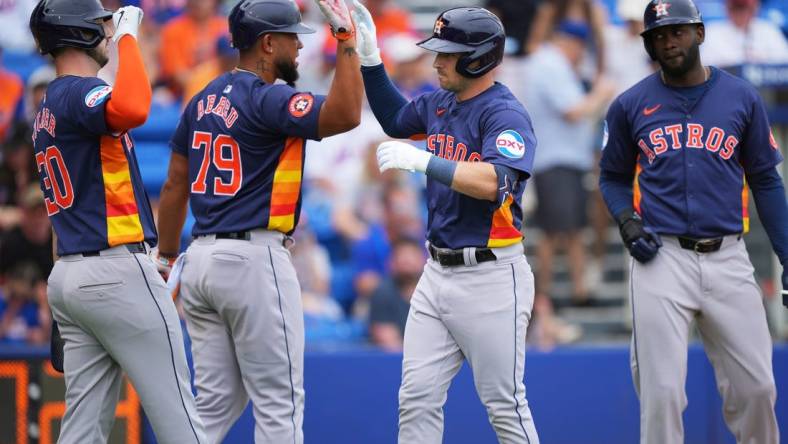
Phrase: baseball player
pixel 238 157
pixel 681 148
pixel 112 306
pixel 475 296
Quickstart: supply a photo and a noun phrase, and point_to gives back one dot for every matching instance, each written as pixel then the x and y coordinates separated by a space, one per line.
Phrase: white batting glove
pixel 127 21
pixel 402 156
pixel 338 16
pixel 366 37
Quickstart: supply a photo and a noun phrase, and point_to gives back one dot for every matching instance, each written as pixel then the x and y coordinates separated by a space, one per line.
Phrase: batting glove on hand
pixel 366 37
pixel 338 17
pixel 402 156
pixel 642 242
pixel 127 21
pixel 163 263
pixel 785 286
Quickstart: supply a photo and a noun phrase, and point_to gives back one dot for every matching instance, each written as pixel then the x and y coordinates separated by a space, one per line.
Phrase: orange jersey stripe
pixel 503 232
pixel 123 221
pixel 636 190
pixel 286 189
pixel 745 207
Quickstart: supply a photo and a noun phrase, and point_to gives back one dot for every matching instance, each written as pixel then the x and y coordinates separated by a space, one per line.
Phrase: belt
pixel 138 247
pixel 451 258
pixel 237 235
pixel 700 245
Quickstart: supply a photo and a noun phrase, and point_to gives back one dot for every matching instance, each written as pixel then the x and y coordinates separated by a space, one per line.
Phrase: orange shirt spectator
pixel 226 59
pixel 11 90
pixel 188 40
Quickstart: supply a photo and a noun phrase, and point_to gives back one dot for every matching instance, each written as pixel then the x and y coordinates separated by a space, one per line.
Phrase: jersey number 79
pixel 215 150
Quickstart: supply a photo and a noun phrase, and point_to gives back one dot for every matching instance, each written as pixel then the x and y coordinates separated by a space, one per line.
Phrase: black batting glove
pixel 642 242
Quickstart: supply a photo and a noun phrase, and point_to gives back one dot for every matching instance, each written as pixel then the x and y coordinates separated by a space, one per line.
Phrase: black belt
pixel 700 245
pixel 237 235
pixel 451 258
pixel 139 247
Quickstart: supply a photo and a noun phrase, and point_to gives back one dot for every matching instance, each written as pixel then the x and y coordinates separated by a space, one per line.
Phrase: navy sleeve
pixel 768 192
pixel 616 190
pixel 508 139
pixel 282 109
pixel 399 118
pixel 759 151
pixel 87 102
pixel 619 153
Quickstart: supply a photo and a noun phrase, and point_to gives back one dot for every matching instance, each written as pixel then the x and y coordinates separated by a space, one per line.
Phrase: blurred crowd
pixel 359 249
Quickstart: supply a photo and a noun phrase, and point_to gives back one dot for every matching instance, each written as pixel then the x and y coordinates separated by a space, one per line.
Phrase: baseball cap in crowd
pixel 573 28
pixel 41 77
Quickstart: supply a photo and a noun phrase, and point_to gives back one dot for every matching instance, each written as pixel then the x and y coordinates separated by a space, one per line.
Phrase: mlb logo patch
pixel 97 95
pixel 511 144
pixel 300 105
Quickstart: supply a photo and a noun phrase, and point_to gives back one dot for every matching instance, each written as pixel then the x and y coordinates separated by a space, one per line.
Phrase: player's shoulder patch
pixel 300 104
pixel 511 144
pixel 97 95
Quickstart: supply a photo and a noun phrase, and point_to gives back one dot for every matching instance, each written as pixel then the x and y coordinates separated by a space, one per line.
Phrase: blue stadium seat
pixel 22 63
pixel 160 125
pixel 154 159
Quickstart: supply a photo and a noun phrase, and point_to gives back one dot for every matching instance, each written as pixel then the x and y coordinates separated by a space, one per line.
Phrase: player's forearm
pixel 768 192
pixel 616 191
pixel 172 215
pixel 131 96
pixel 342 109
pixel 476 179
pixel 384 98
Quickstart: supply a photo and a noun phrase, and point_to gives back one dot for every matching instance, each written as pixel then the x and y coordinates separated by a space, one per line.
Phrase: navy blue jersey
pixel 91 181
pixel 492 127
pixel 690 157
pixel 245 143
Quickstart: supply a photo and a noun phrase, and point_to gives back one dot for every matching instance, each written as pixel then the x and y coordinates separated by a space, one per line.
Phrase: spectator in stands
pixel 30 241
pixel 188 40
pixel 391 300
pixel 35 88
pixel 17 171
pixel 517 17
pixel 553 12
pixel 409 67
pixel 743 37
pixel 627 63
pixel 19 309
pixel 14 32
pixel 225 60
pixel 563 116
pixel 11 91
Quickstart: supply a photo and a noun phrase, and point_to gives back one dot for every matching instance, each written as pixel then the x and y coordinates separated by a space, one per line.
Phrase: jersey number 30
pixel 215 151
pixel 49 162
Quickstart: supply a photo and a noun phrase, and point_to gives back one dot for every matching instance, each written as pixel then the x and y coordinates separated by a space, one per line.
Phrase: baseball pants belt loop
pixel 467 256
pixel 259 235
pixel 700 245
pixel 138 247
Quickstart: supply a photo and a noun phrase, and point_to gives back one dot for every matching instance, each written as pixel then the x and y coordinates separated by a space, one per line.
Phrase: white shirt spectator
pixel 14 32
pixel 627 60
pixel 727 45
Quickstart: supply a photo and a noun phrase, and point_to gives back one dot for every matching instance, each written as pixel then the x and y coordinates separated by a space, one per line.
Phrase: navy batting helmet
pixel 661 13
pixel 68 23
pixel 250 19
pixel 476 32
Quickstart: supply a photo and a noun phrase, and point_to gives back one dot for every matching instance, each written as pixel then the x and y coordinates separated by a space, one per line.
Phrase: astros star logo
pixel 301 104
pixel 438 26
pixel 661 8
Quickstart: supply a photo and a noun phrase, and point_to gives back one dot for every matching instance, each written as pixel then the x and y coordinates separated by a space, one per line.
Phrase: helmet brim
pixel 298 28
pixel 444 46
pixel 671 22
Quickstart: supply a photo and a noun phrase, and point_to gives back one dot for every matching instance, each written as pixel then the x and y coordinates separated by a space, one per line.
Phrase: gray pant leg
pixel 490 309
pixel 663 305
pixel 736 337
pixel 120 300
pixel 93 379
pixel 431 358
pixel 221 397
pixel 253 288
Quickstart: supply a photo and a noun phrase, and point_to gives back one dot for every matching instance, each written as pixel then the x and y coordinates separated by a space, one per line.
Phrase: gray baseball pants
pixel 243 310
pixel 476 312
pixel 718 291
pixel 115 314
